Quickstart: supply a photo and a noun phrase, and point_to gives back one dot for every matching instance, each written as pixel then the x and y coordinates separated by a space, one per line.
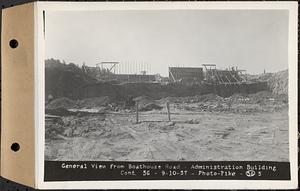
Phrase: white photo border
pixel 292 7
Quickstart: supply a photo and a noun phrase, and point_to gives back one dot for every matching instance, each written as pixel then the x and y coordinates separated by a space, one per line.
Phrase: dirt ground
pixel 200 130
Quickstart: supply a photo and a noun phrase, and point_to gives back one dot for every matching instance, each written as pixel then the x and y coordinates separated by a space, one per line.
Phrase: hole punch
pixel 15 147
pixel 13 43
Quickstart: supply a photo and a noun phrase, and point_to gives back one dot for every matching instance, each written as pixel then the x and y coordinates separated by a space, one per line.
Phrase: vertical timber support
pixel 168 108
pixel 137 111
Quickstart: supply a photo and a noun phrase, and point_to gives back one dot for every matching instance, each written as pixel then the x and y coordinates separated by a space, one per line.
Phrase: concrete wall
pixel 133 78
pixel 244 88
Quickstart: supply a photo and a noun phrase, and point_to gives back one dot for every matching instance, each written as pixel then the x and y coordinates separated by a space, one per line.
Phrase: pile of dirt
pixel 279 82
pixel 201 98
pixel 208 97
pixel 62 102
pixel 150 107
pixel 58 111
pixel 74 125
pixel 65 80
pixel 256 98
pixel 146 103
pixel 94 102
pixel 260 97
pixel 263 101
pixel 65 106
pixel 53 130
pixel 192 99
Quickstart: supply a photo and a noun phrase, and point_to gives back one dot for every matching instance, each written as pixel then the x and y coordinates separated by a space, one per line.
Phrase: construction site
pixel 124 112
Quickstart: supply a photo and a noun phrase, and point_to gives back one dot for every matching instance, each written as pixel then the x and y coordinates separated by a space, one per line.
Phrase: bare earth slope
pixel 250 127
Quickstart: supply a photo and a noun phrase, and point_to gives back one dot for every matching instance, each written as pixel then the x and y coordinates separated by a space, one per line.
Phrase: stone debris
pixel 192 121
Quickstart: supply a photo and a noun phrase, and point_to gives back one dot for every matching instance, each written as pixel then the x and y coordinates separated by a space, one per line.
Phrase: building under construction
pixel 210 75
pixel 186 75
pixel 222 82
pixel 106 71
pixel 207 78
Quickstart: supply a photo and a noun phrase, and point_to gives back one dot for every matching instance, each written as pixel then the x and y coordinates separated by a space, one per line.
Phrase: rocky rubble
pixel 260 102
pixel 86 120
pixel 237 103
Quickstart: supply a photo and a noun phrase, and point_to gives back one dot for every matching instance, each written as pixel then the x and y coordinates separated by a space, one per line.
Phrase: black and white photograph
pixel 175 85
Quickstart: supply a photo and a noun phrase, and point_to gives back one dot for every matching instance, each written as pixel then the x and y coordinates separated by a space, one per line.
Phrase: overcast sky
pixel 253 40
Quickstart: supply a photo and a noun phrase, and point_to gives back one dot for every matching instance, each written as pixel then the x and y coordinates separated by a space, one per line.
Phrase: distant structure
pixel 138 73
pixel 186 75
pixel 217 76
pixel 134 78
pixel 106 71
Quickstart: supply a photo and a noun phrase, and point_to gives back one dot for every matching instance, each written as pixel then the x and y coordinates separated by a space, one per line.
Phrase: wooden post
pixel 168 108
pixel 137 111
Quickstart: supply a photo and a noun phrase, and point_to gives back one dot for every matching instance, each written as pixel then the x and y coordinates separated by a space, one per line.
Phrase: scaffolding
pixel 227 77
